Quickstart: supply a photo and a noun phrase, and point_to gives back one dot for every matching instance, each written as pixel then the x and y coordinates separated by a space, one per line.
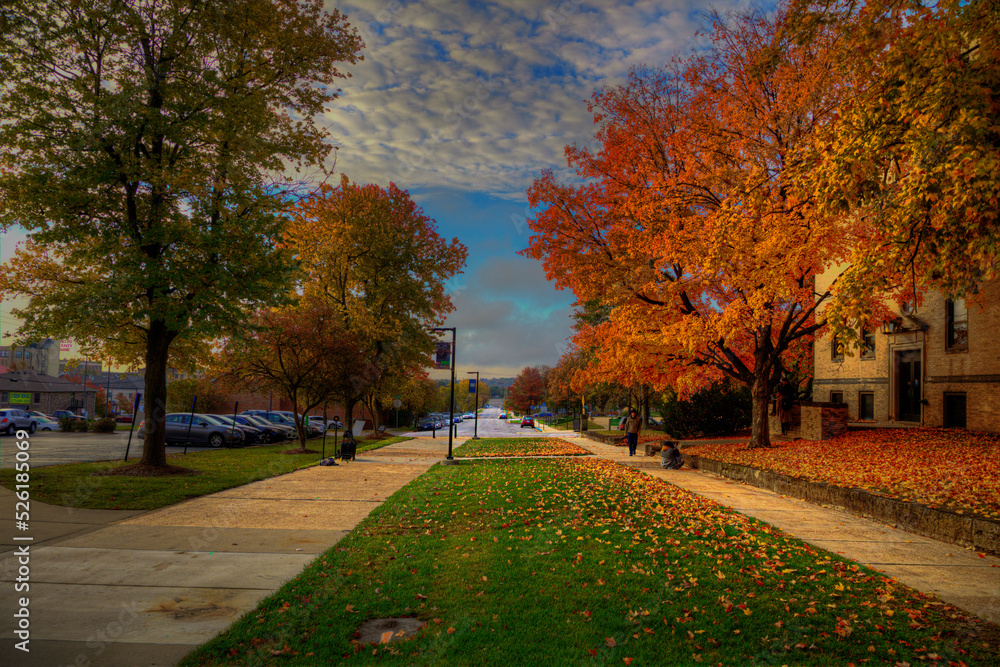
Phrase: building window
pixel 958 324
pixel 836 397
pixel 38 398
pixel 3 397
pixel 836 348
pixel 867 344
pixel 954 410
pixel 4 353
pixel 866 405
pixel 19 354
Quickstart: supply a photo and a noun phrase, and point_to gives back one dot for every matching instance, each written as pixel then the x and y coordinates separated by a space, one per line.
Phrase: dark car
pixel 253 434
pixel 180 426
pixel 503 415
pixel 273 432
pixel 527 421
pixel 65 414
pixel 427 424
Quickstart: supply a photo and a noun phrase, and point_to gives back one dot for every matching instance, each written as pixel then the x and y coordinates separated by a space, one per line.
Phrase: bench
pixel 348 447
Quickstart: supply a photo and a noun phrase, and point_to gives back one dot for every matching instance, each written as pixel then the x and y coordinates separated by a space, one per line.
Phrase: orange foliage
pixel 687 225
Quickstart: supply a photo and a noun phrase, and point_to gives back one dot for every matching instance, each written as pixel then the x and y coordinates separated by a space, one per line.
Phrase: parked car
pixel 15 419
pixel 252 434
pixel 273 432
pixel 427 424
pixel 527 421
pixel 202 431
pixel 503 415
pixel 468 415
pixel 36 413
pixel 46 424
pixel 123 419
pixel 65 414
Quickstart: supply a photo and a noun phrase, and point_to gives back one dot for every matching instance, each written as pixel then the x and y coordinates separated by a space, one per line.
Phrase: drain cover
pixel 386 630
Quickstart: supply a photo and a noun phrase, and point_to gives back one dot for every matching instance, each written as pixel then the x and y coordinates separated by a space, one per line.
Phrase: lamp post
pixel 450 460
pixel 475 406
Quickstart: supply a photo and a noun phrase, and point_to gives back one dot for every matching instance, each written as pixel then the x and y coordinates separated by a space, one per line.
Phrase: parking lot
pixel 53 448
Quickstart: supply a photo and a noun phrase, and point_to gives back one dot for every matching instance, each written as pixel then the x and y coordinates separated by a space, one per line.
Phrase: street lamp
pixel 475 432
pixel 450 460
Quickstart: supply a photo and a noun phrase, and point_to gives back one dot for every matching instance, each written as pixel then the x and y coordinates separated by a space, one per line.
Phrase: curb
pixel 941 524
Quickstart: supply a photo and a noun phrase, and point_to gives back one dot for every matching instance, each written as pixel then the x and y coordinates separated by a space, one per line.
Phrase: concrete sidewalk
pixel 956 575
pixel 145 588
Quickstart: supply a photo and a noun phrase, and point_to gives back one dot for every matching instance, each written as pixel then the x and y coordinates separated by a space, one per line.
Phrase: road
pixel 490 426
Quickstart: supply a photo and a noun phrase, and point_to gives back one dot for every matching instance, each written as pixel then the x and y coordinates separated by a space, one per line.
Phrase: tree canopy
pixel 150 148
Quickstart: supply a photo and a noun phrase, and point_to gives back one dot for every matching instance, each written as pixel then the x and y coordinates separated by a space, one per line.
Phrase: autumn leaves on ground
pixel 584 561
pixel 946 468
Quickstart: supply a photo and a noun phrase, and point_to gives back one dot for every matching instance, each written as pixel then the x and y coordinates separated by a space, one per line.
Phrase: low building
pixel 36 391
pixel 936 365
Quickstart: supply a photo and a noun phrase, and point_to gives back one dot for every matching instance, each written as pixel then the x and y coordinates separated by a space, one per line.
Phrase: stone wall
pixel 814 421
pixel 979 533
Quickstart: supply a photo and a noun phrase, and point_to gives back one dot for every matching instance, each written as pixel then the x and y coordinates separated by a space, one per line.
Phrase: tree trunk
pixel 760 397
pixel 349 417
pixel 154 448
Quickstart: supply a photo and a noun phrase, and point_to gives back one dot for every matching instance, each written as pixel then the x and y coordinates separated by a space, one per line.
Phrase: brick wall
pixel 814 421
pixel 973 371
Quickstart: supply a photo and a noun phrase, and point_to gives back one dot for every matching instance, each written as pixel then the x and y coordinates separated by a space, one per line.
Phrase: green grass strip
pixel 76 485
pixel 582 561
pixel 519 447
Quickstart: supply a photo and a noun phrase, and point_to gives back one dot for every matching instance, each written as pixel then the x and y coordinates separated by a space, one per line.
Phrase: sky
pixel 463 104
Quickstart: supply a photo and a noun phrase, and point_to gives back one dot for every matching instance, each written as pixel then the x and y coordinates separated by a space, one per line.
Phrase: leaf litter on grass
pixel 565 561
pixel 520 447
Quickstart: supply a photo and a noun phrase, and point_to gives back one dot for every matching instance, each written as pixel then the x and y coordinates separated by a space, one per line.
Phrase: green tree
pixel 372 255
pixel 146 146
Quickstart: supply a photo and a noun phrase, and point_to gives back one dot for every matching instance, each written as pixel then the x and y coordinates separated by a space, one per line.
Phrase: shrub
pixel 104 425
pixel 72 425
pixel 719 409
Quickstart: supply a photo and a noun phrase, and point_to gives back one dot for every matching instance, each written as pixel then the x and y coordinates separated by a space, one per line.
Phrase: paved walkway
pixel 144 588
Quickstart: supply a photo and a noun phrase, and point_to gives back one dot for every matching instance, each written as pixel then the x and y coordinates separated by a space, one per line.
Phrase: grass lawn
pixel 948 468
pixel 519 447
pixel 583 561
pixel 76 485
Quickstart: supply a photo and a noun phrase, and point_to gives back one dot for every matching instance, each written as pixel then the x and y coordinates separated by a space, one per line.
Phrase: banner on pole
pixel 472 386
pixel 442 357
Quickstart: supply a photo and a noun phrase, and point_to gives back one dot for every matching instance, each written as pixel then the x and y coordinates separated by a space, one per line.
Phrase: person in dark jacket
pixel 670 456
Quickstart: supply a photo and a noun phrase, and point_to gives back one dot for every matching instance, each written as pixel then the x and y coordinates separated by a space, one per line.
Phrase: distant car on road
pixel 503 415
pixel 527 421
pixel 65 414
pixel 468 415
pixel 427 424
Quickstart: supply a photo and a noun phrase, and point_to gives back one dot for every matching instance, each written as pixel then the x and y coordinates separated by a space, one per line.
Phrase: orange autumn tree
pixel 915 150
pixel 685 222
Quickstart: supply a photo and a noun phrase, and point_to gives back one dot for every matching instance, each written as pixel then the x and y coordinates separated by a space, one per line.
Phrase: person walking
pixel 786 397
pixel 632 427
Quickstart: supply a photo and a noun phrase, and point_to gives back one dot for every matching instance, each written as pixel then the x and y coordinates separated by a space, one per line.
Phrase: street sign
pixel 442 356
pixel 472 386
pixel 396 403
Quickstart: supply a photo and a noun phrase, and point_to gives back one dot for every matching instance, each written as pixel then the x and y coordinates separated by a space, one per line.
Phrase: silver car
pixel 13 420
pixel 201 431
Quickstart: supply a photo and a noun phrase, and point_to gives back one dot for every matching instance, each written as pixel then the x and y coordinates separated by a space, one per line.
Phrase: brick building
pixel 41 356
pixel 36 391
pixel 936 365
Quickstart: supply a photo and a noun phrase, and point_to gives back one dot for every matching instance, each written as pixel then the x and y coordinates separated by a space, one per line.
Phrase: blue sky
pixel 463 104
